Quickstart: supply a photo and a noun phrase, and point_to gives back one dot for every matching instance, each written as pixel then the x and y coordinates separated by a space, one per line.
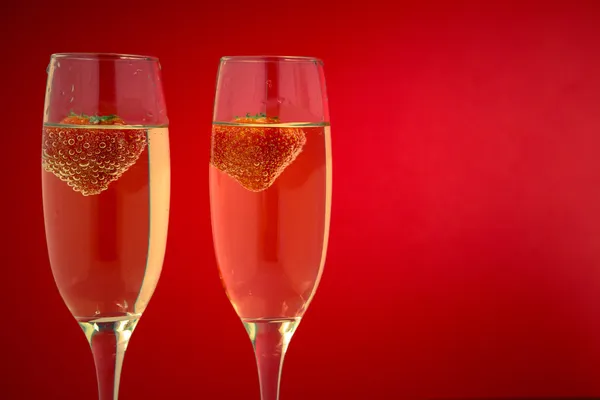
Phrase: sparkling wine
pixel 270 188
pixel 106 206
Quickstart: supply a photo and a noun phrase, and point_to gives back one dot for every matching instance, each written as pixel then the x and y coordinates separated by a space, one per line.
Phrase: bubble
pixel 86 145
pixel 102 145
pixel 71 142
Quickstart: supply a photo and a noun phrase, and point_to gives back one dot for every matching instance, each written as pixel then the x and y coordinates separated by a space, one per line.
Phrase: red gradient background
pixel 465 240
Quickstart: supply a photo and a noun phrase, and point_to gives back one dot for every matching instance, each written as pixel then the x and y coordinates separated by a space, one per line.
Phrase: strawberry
pixel 90 157
pixel 255 156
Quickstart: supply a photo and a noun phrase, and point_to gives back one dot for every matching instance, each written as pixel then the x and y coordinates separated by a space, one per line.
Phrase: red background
pixel 465 240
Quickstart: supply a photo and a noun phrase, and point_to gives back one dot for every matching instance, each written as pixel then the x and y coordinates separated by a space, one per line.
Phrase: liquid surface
pixel 270 235
pixel 106 237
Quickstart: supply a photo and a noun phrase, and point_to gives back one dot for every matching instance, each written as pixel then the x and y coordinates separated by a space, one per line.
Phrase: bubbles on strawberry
pixel 253 153
pixel 88 155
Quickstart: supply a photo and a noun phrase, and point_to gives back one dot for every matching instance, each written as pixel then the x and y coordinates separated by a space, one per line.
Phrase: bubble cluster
pixel 255 156
pixel 89 159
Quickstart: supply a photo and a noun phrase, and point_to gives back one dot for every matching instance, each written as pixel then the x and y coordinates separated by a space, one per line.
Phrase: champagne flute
pixel 106 192
pixel 270 196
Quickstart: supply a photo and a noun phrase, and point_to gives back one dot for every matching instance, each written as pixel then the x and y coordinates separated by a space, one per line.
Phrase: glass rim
pixel 103 56
pixel 264 58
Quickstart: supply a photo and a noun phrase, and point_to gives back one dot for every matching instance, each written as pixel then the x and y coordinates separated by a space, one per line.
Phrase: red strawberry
pixel 90 157
pixel 255 155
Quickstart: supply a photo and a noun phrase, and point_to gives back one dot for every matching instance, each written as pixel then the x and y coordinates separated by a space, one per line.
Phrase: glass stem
pixel 108 340
pixel 270 339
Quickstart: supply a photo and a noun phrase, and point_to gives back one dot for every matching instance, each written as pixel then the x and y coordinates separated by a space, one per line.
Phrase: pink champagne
pixel 106 204
pixel 270 188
